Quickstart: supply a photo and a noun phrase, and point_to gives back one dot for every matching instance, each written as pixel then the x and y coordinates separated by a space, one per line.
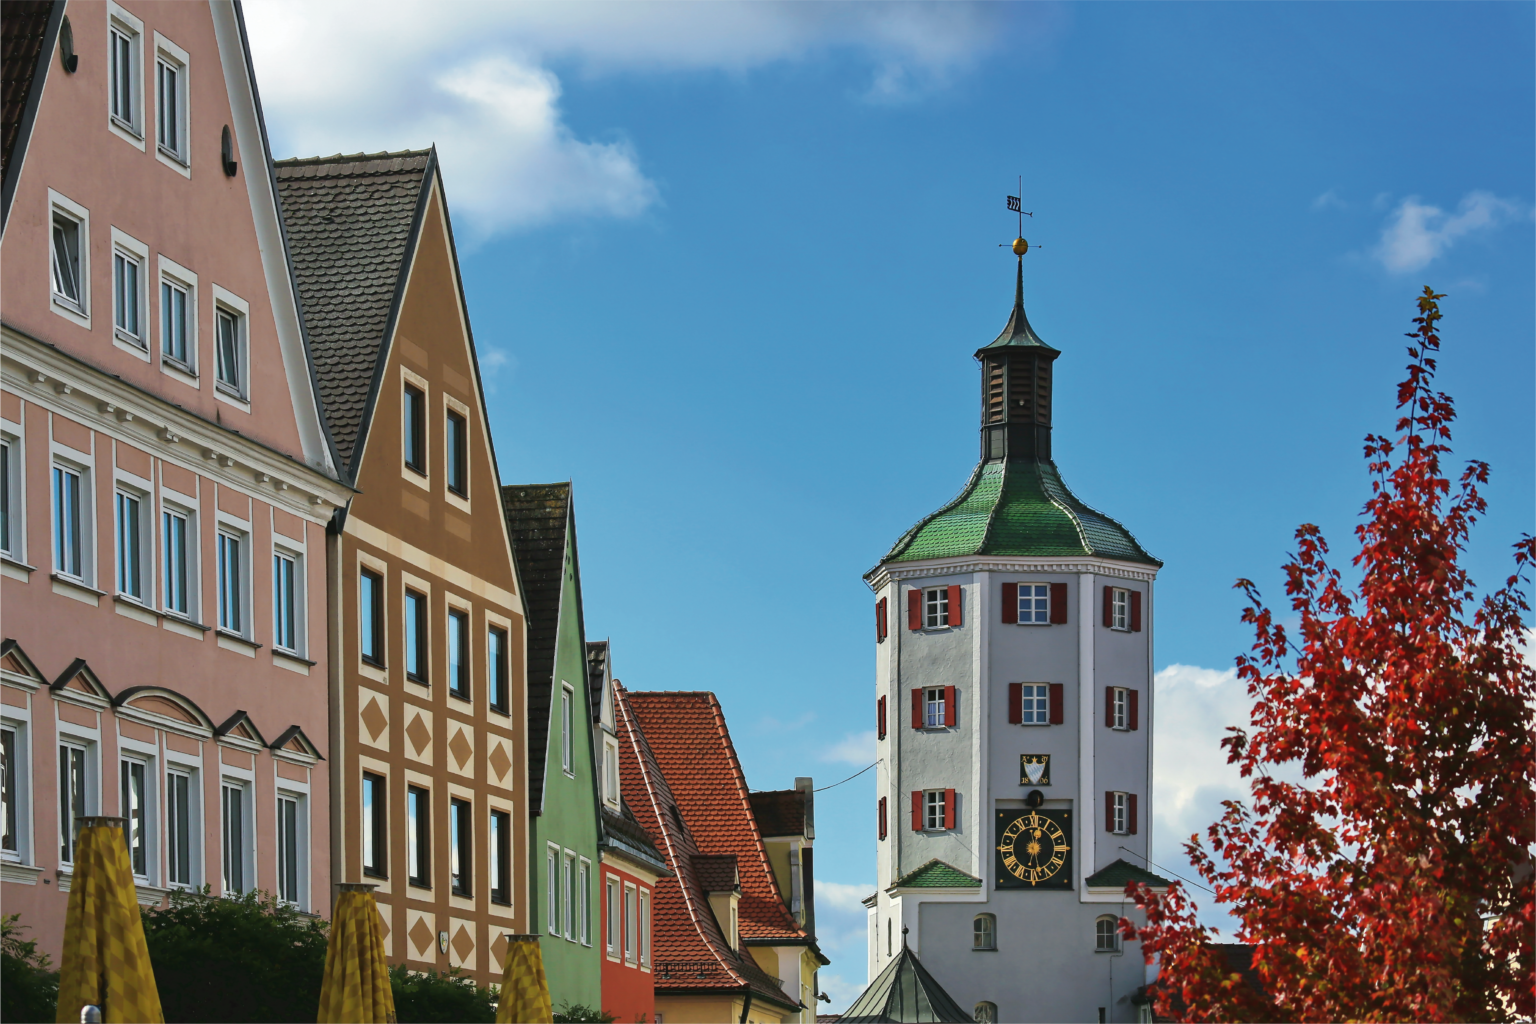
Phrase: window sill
pixel 990 949
pixel 71 311
pixel 223 394
pixel 16 570
pixel 177 370
pixel 133 608
pixel 456 695
pixel 183 620
pixel 278 652
pixel 78 589
pixel 235 642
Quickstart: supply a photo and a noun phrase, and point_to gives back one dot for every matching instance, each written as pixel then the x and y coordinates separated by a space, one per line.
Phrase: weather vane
pixel 1016 204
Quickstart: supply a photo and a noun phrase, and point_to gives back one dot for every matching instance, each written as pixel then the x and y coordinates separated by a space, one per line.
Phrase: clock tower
pixel 1013 687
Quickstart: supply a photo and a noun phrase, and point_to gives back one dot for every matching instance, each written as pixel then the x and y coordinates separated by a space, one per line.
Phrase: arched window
pixel 984 932
pixel 1107 934
pixel 986 1013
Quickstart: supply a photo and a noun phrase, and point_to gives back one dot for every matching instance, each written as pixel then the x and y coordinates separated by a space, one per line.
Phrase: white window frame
pixel 131 29
pixel 229 304
pixel 85 525
pixel 240 533
pixel 552 885
pixel 1121 813
pixel 1121 707
pixel 567 729
pixel 645 928
pixel 21 785
pixel 242 785
pixel 88 743
pixel 297 603
pixel 174 275
pixel 936 607
pixel 987 936
pixel 613 925
pixel 13 496
pixel 143 538
pixel 1120 609
pixel 611 771
pixel 134 339
pixel 933 810
pixel 144 755
pixel 568 895
pixel 1034 606
pixel 934 711
pixel 192 770
pixel 289 790
pixel 584 901
pixel 77 310
pixel 173 57
pixel 1035 703
pixel 1099 936
pixel 631 925
pixel 189 553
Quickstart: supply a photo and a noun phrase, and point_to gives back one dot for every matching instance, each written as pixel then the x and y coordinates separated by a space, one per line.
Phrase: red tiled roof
pixel 676 754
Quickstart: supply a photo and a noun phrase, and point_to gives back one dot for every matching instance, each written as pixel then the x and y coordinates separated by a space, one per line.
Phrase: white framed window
pixel 292 848
pixel 69 258
pixel 1106 934
pixel 178 318
pixel 645 927
pixel 933 707
pixel 287 600
pixel 984 931
pixel 77 790
pixel 631 923
pixel 182 830
pixel 178 544
pixel 15 790
pixel 231 346
pixel 171 108
pixel 1120 608
pixel 236 832
pixel 125 72
pixel 568 895
pixel 11 522
pixel 612 926
pixel 135 782
pixel 127 296
pixel 132 542
pixel 583 901
pixel 567 730
pixel 71 521
pixel 231 576
pixel 552 888
pixel 935 607
pixel 984 1013
pixel 1035 603
pixel 1119 707
pixel 611 772
pixel 1120 813
pixel 1035 703
pixel 934 810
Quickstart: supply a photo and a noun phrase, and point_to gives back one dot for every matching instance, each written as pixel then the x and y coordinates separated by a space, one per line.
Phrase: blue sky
pixel 727 266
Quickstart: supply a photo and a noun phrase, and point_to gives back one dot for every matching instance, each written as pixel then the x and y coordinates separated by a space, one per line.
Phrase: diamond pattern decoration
pixel 384 920
pixel 499 761
pixel 463 943
pixel 499 949
pixel 459 747
pixel 420 736
pixel 374 719
pixel 421 936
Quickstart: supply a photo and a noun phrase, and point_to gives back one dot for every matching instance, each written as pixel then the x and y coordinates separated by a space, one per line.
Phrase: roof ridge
pixel 905 540
pixel 1059 482
pixel 1071 513
pixel 301 161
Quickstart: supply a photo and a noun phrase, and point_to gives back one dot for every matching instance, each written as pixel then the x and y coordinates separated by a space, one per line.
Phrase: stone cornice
pixel 40 373
pixel 975 563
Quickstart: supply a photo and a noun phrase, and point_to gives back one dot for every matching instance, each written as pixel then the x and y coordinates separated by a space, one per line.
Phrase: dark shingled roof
pixel 349 221
pixel 717 872
pixel 597 673
pixel 23 31
pixel 1116 875
pixel 537 516
pixel 779 812
pixel 623 832
pixel 904 991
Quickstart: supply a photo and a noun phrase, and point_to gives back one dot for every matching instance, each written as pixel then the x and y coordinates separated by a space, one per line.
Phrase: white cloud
pixel 855 748
pixel 1416 233
pixel 1329 200
pixel 842 929
pixel 477 80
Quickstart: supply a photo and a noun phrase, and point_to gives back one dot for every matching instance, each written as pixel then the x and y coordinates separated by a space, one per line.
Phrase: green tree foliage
pixel 235 958
pixel 29 991
pixel 426 997
pixel 572 1013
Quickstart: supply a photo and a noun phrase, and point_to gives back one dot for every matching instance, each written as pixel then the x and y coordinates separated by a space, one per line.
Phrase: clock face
pixel 1033 850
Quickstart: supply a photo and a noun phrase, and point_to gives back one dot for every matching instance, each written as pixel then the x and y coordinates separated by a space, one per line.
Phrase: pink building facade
pixel 167 476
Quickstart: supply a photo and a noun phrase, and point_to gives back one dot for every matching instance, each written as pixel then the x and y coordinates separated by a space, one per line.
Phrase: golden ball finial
pixel 1020 247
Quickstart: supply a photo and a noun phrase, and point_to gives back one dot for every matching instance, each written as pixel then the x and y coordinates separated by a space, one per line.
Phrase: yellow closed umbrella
pixel 356 988
pixel 524 989
pixel 105 962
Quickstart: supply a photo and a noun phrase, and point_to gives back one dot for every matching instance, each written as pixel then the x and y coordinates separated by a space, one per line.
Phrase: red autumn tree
pixel 1395 882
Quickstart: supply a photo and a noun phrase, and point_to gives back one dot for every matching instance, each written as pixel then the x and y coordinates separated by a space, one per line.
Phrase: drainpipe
pixel 746 1007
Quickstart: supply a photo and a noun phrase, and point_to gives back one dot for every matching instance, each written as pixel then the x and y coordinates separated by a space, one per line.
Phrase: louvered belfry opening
pixel 1016 404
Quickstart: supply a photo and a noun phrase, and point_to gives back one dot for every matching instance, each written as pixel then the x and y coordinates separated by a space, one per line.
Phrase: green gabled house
pixel 562 783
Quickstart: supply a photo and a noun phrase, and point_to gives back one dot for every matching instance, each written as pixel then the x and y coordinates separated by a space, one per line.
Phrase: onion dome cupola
pixel 1015 503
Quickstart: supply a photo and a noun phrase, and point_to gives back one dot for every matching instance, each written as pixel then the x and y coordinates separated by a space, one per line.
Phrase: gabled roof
pixel 717 872
pixel 538 519
pixel 904 991
pixel 623 833
pixel 936 875
pixel 779 812
pixel 597 674
pixel 350 222
pixel 1118 874
pixel 27 34
pixel 691 953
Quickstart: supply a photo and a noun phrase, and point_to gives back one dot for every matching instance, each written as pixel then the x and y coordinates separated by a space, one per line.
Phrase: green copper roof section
pixel 1022 509
pixel 937 875
pixel 1121 872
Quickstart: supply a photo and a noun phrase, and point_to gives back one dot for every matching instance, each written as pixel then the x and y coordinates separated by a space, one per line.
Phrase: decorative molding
pixel 970 564
pixel 23 874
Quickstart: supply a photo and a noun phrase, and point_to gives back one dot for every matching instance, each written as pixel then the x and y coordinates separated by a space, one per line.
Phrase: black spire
pixel 1016 387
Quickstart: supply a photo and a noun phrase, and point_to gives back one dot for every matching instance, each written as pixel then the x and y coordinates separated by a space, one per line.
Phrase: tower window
pixel 984 932
pixel 1119 716
pixel 1106 935
pixel 933 707
pixel 1035 603
pixel 936 607
pixel 1120 608
pixel 985 1013
pixel 935 810
pixel 1035 704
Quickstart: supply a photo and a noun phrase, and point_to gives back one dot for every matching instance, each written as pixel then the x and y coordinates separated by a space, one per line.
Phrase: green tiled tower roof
pixel 1016 503
pixel 936 874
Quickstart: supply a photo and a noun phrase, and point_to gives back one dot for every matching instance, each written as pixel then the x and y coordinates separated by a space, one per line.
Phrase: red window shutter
pixel 949 808
pixel 1109 606
pixel 1058 604
pixel 1131 815
pixel 954 606
pixel 880 718
pixel 1015 703
pixel 882 817
pixel 1058 703
pixel 1010 604
pixel 949 705
pixel 1135 611
pixel 1109 706
pixel 915 608
pixel 1133 713
pixel 1109 812
pixel 917 708
pixel 880 620
pixel 917 810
